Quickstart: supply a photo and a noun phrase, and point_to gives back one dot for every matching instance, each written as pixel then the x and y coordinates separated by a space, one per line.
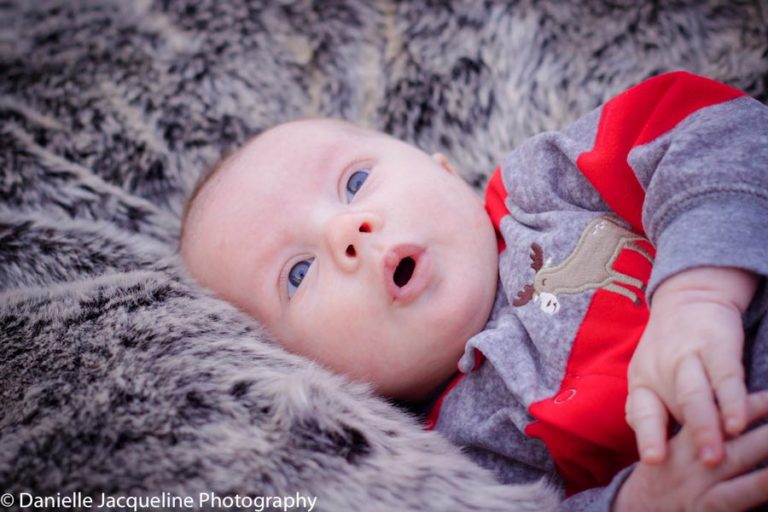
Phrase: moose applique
pixel 588 267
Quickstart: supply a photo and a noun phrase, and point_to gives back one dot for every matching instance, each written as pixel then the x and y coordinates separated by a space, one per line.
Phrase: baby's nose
pixel 346 236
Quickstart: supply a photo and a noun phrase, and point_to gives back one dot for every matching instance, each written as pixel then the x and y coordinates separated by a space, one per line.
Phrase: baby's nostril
pixel 351 251
pixel 365 228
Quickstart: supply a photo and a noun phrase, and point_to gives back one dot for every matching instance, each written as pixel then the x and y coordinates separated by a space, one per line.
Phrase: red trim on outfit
pixel 495 196
pixel 638 116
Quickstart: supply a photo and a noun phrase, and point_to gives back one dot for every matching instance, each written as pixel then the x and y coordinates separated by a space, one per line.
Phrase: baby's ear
pixel 444 163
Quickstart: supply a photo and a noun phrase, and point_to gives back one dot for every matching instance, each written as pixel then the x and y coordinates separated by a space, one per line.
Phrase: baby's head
pixel 352 248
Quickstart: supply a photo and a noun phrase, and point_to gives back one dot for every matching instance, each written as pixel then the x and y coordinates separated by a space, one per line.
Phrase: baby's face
pixel 354 249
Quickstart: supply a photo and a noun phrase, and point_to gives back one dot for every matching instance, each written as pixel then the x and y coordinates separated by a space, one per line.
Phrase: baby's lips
pixel 419 278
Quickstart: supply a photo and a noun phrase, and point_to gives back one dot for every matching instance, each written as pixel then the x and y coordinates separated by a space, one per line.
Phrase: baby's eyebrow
pixel 333 155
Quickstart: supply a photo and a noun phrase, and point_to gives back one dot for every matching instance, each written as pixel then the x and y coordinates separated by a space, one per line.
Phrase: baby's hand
pixel 691 347
pixel 682 482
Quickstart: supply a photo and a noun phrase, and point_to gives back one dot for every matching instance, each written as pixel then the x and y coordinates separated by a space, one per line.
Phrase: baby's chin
pixel 414 393
pixel 420 380
pixel 417 391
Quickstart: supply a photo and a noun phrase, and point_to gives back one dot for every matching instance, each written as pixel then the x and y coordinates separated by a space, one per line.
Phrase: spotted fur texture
pixel 118 373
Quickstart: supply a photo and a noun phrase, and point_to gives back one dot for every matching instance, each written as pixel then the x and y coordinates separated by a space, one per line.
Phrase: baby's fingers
pixel 698 411
pixel 726 373
pixel 757 406
pixel 744 453
pixel 648 417
pixel 742 493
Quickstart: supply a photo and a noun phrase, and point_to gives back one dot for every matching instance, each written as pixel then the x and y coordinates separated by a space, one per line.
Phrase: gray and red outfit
pixel 670 175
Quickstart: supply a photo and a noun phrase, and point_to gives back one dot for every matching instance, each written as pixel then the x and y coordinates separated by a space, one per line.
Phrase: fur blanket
pixel 118 374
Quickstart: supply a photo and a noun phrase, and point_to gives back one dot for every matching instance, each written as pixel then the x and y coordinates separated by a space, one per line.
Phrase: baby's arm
pixel 692 347
pixel 682 482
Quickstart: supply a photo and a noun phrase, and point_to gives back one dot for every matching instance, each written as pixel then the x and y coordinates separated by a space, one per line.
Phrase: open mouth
pixel 404 271
pixel 407 272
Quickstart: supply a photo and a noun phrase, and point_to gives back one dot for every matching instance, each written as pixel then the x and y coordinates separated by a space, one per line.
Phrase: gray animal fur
pixel 119 374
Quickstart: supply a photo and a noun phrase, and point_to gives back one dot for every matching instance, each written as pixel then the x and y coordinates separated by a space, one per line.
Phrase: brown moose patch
pixel 588 267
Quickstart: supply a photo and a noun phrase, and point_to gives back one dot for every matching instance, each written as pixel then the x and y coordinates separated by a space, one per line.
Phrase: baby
pixel 378 261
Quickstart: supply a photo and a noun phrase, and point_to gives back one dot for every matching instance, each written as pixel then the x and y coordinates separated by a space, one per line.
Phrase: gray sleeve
pixel 599 499
pixel 707 190
pixel 705 184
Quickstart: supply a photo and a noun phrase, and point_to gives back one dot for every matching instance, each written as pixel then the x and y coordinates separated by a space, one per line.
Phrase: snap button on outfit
pixel 564 396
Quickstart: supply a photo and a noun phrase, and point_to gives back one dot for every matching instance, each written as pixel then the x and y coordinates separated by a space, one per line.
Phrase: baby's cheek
pixel 315 335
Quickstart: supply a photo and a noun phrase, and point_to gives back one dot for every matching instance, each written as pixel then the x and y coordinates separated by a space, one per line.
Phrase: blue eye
pixel 296 275
pixel 355 182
